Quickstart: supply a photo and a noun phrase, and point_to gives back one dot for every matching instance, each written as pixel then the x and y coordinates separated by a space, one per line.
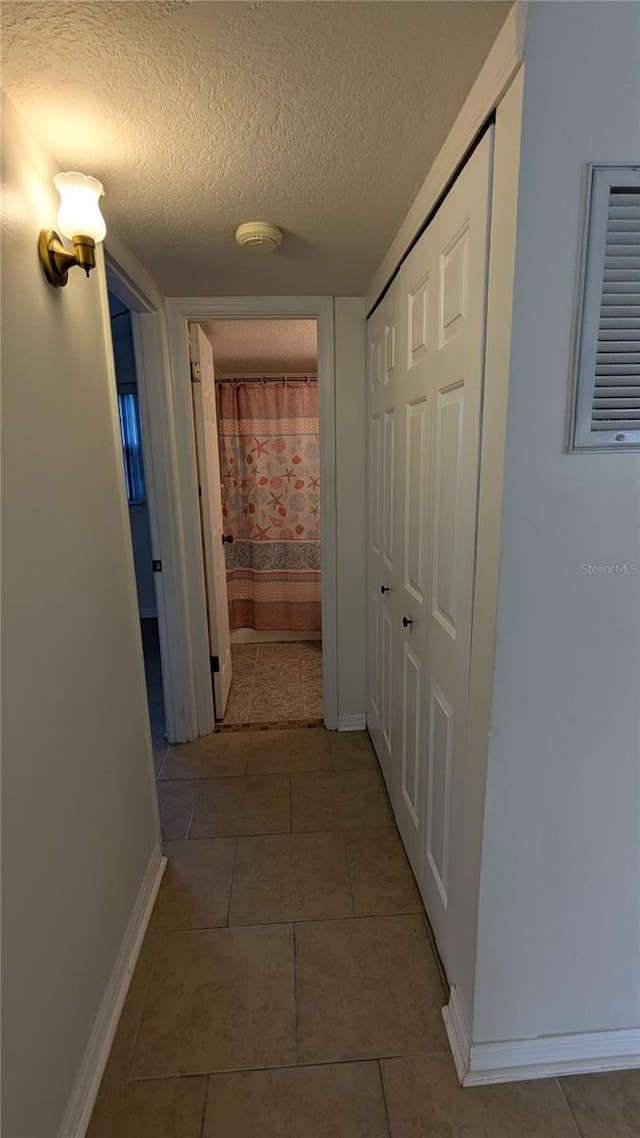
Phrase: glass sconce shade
pixel 79 213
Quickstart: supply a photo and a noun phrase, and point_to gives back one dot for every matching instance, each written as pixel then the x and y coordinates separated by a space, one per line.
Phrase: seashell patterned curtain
pixel 270 474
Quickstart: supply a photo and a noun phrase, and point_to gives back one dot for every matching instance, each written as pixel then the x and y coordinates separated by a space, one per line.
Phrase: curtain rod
pixel 267 378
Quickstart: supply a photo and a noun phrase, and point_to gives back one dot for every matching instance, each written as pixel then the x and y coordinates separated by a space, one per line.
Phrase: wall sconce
pixel 80 220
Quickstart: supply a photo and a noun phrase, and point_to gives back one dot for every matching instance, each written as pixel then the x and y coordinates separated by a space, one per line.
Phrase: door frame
pixel 207 438
pixel 129 281
pixel 180 311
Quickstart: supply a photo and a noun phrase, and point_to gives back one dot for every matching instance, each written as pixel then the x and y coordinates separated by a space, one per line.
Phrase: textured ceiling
pixel 242 347
pixel 322 117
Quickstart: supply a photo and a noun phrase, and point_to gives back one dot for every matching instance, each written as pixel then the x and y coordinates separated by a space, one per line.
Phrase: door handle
pixel 406 621
pixel 227 539
pixel 385 589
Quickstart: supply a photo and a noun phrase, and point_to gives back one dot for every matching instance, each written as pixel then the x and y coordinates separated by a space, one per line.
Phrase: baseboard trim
pixel 352 723
pixel 582 1053
pixel 83 1096
pixel 251 636
pixel 457 1034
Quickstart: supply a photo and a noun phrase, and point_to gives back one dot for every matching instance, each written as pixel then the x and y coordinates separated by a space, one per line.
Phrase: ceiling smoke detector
pixel 258 235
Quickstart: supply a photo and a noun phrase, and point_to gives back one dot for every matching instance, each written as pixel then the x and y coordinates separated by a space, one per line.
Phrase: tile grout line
pixel 349 875
pixel 254 663
pixel 558 1082
pixel 264 726
pixel 193 810
pixel 300 687
pixel 284 833
pixel 302 682
pixel 295 994
pixel 279 833
pixel 299 675
pixel 431 1054
pixel 233 873
pixel 436 956
pixel 164 759
pixel 384 1097
pixel 251 673
pixel 287 921
pixel 206 1103
pixel 236 777
pixel 143 1004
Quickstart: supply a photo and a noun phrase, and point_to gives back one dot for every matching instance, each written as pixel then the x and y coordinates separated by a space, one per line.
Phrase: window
pixel 131 446
pixel 607 382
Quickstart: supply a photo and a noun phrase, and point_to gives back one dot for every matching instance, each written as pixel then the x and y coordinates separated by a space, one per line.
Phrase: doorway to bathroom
pixel 256 425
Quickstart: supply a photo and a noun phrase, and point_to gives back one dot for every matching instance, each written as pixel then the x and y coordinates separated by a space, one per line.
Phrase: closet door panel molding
pixel 460 234
pixel 426 349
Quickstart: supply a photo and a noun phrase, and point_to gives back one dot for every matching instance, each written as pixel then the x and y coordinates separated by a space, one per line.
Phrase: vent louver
pixel 607 412
pixel 616 395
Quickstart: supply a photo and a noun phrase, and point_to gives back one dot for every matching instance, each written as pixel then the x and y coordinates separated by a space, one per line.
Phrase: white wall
pixel 80 820
pixel 559 933
pixel 350 356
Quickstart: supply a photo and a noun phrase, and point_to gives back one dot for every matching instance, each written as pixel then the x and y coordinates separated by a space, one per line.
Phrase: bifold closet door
pixel 433 400
pixel 382 529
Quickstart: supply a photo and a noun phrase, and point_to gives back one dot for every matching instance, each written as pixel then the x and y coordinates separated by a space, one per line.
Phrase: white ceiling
pixel 244 347
pixel 322 117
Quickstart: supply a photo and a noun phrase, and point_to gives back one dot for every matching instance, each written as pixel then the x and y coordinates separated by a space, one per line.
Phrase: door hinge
pixel 156 566
pixel 215 664
pixel 195 372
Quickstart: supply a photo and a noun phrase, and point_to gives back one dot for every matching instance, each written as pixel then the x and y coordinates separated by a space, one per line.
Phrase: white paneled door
pixel 382 531
pixel 425 377
pixel 207 454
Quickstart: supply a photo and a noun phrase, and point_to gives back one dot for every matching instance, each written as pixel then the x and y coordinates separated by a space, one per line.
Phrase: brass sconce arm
pixel 56 260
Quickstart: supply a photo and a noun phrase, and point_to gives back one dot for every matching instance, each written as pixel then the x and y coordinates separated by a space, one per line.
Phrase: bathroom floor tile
pixel 275 682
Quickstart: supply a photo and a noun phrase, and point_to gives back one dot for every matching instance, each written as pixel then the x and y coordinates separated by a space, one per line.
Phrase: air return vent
pixel 607 389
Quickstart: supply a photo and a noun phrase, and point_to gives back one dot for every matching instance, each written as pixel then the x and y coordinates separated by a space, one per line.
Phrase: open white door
pixel 206 432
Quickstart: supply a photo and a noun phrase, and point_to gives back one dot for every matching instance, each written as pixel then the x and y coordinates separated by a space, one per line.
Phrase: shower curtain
pixel 270 473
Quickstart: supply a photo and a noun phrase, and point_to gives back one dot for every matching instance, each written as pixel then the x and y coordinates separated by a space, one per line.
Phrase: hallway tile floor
pixel 275 682
pixel 287 987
